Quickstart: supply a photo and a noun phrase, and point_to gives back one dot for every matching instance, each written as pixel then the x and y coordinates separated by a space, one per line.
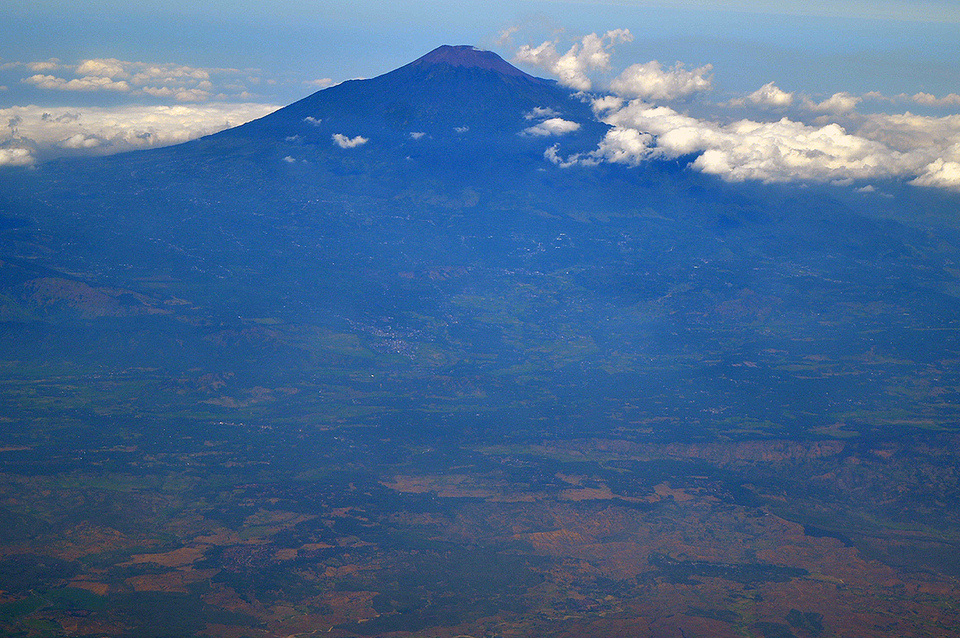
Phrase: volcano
pixel 374 364
pixel 454 100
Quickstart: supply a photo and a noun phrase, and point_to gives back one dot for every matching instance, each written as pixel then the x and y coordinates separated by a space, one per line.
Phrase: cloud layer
pixel 138 79
pixel 787 136
pixel 923 149
pixel 35 133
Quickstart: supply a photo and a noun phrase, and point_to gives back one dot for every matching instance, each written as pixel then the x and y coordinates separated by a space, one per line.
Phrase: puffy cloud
pixel 932 143
pixel 539 112
pixel 746 150
pixel 349 142
pixel 788 150
pixel 552 154
pixel 624 146
pixel 159 80
pixel 650 81
pixel 37 133
pixel 591 53
pixel 180 95
pixel 16 157
pixel 48 65
pixel 320 83
pixel 909 132
pixel 87 83
pixel 837 103
pixel 940 173
pixel 924 149
pixel 416 135
pixel 144 73
pixel 606 103
pixel 552 126
pixel 926 99
pixel 192 95
pixel 108 68
pixel 767 95
pixel 619 145
pixel 81 141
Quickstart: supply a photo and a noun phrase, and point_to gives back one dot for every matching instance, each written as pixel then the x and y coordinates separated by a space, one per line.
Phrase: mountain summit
pixel 469 56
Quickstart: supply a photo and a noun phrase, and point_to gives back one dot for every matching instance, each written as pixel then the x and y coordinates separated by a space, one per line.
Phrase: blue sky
pixel 892 45
pixel 96 76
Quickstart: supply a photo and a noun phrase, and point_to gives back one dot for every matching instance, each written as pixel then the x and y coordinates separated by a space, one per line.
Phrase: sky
pixel 839 91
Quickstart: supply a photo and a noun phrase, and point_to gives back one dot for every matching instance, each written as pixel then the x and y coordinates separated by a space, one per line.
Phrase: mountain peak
pixel 468 56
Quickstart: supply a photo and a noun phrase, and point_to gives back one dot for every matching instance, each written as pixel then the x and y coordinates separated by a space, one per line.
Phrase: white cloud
pixel 767 151
pixel 927 99
pixel 606 103
pixel 552 126
pixel 180 95
pixel 80 141
pixel 48 65
pixel 591 53
pixel 87 83
pixel 837 103
pixel 35 132
pixel 144 73
pixel 159 80
pixel 940 173
pixel 349 142
pixel 877 95
pixel 108 68
pixel 320 83
pixel 416 135
pixel 506 34
pixel 624 146
pixel 771 96
pixel 16 157
pixel 192 95
pixel 650 81
pixel 552 154
pixel 619 145
pixel 539 112
pixel 788 150
pixel 923 149
pixel 767 95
